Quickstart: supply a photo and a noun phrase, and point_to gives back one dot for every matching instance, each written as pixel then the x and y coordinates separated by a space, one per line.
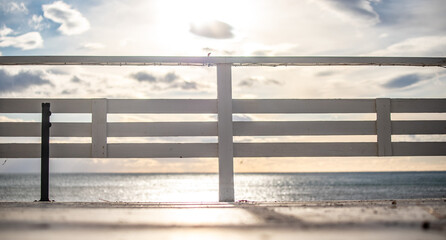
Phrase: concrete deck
pixel 390 219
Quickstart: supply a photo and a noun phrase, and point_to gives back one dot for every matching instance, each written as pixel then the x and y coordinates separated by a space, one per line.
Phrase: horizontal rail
pixel 235 61
pixel 418 127
pixel 33 129
pixel 304 149
pixel 58 150
pixel 158 129
pixel 259 128
pixel 190 150
pixel 419 148
pixel 304 106
pixel 162 106
pixel 32 105
pixel 129 106
pixel 304 128
pixel 418 105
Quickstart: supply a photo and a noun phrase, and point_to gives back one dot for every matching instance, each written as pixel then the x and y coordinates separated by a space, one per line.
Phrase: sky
pixel 223 28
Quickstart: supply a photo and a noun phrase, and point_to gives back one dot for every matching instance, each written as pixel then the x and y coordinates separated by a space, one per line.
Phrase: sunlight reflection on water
pixel 204 187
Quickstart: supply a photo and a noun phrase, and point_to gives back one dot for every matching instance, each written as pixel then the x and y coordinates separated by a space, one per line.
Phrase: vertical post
pixel 225 141
pixel 99 128
pixel 384 127
pixel 45 153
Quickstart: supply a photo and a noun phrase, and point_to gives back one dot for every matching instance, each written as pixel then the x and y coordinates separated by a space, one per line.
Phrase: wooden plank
pixel 202 60
pixel 419 127
pixel 161 150
pixel 32 129
pixel 281 128
pixel 24 105
pixel 419 148
pixel 418 105
pixel 304 149
pixel 225 137
pixel 162 106
pixel 99 128
pixel 159 129
pixel 384 126
pixel 32 150
pixel 304 106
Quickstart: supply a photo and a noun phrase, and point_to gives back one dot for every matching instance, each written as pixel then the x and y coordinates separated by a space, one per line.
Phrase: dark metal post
pixel 45 153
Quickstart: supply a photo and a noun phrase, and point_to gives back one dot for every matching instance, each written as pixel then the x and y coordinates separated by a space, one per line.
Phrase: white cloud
pixel 71 20
pixel 357 12
pixel 5 31
pixel 93 46
pixel 212 29
pixel 26 41
pixel 36 22
pixel 418 46
pixel 16 7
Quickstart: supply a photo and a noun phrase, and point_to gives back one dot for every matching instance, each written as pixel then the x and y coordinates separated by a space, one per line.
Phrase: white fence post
pixel 383 127
pixel 99 128
pixel 225 141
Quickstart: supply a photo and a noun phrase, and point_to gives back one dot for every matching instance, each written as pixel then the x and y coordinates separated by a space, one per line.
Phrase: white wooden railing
pixel 225 129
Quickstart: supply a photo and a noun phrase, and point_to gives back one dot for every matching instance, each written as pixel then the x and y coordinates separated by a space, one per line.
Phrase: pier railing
pixel 99 129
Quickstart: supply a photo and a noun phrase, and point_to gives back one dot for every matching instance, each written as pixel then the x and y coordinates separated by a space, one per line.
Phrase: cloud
pixel 249 82
pixel 4 31
pixel 75 79
pixel 143 77
pixel 20 81
pixel 26 41
pixel 57 71
pixel 185 85
pixel 168 81
pixel 14 7
pixel 212 29
pixel 170 77
pixel 36 22
pixel 353 11
pixel 72 22
pixel 418 46
pixel 93 46
pixel 403 81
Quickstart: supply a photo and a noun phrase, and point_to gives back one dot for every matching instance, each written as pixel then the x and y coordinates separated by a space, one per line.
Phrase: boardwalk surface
pixel 389 219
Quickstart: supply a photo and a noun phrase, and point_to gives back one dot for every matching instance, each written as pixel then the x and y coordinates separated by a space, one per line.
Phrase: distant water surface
pixel 93 187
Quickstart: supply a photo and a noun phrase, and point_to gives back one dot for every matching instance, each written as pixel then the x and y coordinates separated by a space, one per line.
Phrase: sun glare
pixel 177 18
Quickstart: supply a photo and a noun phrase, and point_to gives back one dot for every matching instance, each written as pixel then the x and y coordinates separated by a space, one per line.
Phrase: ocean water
pixel 93 187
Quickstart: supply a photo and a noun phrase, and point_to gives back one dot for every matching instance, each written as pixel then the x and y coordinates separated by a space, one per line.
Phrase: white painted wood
pixel 418 105
pixel 304 106
pixel 304 149
pixel 419 148
pixel 419 127
pixel 237 61
pixel 99 128
pixel 158 129
pixel 32 150
pixel 32 129
pixel 225 138
pixel 17 105
pixel 162 106
pixel 282 128
pixel 384 127
pixel 161 150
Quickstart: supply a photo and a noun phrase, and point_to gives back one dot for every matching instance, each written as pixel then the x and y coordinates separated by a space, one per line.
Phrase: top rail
pixel 235 61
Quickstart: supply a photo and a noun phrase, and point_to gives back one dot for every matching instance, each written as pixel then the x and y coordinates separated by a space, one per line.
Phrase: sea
pixel 202 187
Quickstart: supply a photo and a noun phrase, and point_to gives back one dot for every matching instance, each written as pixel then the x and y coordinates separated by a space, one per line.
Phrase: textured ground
pixel 389 219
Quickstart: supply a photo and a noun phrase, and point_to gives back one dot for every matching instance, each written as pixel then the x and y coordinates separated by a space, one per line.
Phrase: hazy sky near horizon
pixel 223 28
